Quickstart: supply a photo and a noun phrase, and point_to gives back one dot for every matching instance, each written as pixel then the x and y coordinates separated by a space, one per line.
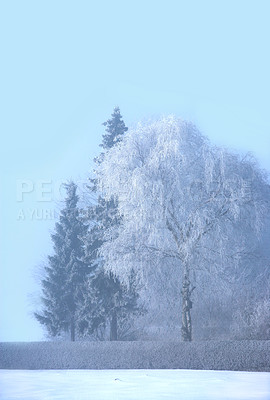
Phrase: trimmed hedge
pixel 212 355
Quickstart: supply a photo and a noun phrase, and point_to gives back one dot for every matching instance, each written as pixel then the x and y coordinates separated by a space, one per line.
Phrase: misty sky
pixel 66 64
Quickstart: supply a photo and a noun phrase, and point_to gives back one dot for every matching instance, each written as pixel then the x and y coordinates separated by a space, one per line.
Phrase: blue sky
pixel 66 64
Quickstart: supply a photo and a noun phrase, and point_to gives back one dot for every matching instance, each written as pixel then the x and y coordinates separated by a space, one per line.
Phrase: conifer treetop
pixel 72 197
pixel 115 128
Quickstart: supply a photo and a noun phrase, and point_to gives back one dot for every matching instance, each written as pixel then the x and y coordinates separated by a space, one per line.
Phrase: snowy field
pixel 133 384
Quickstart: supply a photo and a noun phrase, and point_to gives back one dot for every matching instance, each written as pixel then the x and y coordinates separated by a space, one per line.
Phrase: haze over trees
pixel 174 243
pixel 78 296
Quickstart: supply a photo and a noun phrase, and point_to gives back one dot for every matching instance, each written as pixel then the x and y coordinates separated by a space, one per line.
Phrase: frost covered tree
pixel 106 299
pixel 181 198
pixel 65 272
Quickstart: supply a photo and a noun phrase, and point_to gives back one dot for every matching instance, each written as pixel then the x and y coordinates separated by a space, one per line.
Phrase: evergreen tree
pixel 115 128
pixel 106 300
pixel 66 271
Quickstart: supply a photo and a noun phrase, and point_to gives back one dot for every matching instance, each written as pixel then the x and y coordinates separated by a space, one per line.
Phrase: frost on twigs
pixel 177 194
pixel 179 197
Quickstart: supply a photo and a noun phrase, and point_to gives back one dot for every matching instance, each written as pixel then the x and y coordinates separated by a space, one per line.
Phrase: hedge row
pixel 212 355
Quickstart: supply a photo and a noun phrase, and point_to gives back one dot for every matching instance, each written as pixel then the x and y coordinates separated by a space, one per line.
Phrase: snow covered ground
pixel 133 384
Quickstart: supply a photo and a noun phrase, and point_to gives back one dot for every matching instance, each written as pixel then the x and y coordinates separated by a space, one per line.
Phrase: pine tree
pixel 66 271
pixel 106 300
pixel 115 128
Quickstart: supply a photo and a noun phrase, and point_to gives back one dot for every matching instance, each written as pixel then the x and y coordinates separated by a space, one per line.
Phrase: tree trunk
pixel 72 330
pixel 113 327
pixel 186 329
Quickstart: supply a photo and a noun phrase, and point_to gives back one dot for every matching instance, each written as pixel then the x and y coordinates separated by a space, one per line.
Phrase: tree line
pixel 173 242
